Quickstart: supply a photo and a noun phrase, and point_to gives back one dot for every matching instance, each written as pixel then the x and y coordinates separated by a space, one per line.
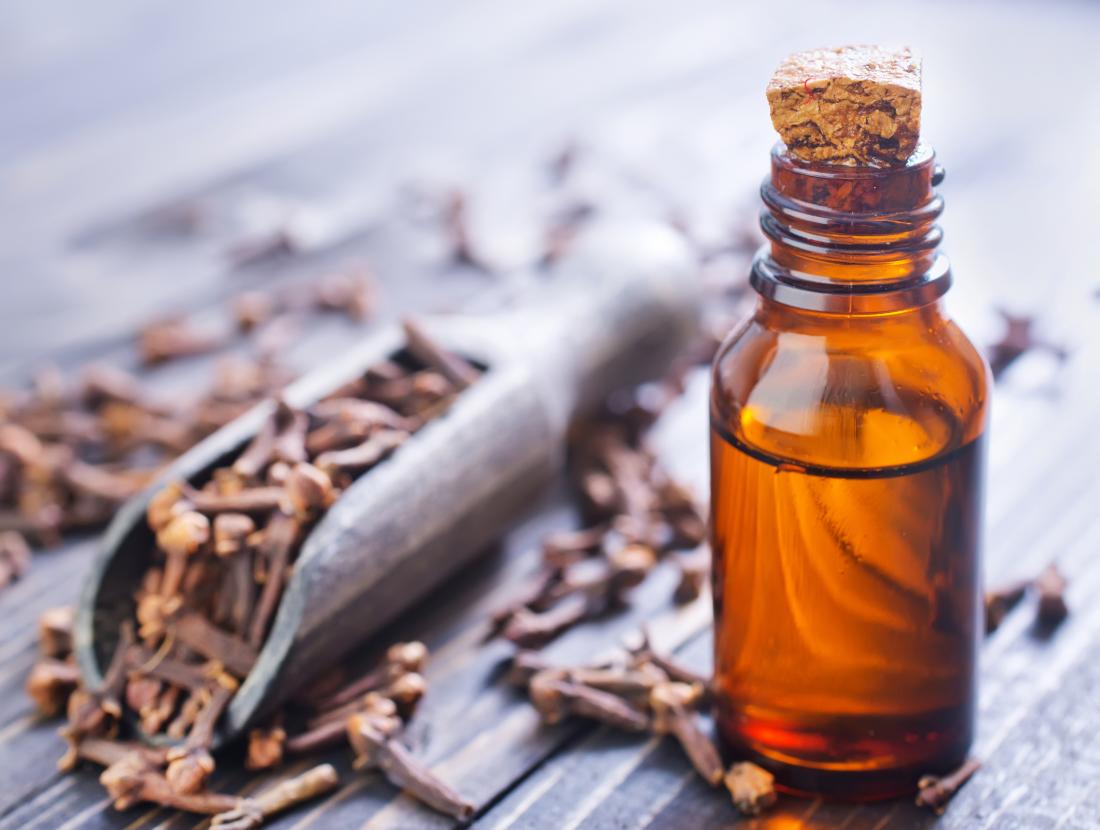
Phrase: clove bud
pixel 15 557
pixel 751 787
pixel 55 631
pixel 309 491
pixel 555 697
pixel 376 746
pixel 50 684
pixel 671 704
pixel 1051 587
pixel 999 602
pixel 936 791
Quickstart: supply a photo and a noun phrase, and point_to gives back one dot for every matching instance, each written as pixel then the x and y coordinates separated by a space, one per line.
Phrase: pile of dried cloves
pixel 224 553
pixel 368 712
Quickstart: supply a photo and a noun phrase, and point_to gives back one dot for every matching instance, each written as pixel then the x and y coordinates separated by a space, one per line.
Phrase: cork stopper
pixel 850 105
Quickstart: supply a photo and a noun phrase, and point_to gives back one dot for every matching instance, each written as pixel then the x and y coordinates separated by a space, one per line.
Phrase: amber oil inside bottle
pixel 848 415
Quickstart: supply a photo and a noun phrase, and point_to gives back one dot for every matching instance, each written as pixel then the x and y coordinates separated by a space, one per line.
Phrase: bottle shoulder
pixel 850 391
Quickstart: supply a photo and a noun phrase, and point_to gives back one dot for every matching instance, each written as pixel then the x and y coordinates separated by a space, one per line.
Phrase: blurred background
pixel 142 141
pixel 265 182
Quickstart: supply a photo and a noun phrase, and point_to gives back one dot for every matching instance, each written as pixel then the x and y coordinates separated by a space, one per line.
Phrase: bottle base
pixel 876 780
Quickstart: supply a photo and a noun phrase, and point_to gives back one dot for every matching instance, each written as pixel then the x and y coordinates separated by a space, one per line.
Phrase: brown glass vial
pixel 848 416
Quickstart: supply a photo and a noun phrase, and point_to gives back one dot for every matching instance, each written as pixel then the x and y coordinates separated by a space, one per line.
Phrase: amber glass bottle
pixel 847 422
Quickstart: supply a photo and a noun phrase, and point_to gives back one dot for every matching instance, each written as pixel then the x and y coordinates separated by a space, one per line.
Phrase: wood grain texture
pixel 330 115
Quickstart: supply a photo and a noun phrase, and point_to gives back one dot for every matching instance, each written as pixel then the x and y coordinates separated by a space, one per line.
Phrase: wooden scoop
pixel 619 313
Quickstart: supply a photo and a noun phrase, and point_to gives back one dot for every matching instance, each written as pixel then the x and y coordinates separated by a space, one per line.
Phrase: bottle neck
pixel 851 239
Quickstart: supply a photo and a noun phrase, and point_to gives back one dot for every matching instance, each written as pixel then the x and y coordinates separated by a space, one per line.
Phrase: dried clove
pixel 174 338
pixel 278 243
pixel 456 228
pixel 231 533
pixel 563 548
pixel 751 787
pixel 694 570
pixel 181 538
pixel 190 765
pixel 584 589
pixel 352 292
pixel 424 347
pixel 166 668
pixel 1051 586
pixel 935 791
pixel 266 747
pixel 197 632
pixel 251 812
pixel 258 454
pixel 671 704
pixel 555 697
pixel 534 629
pixel 15 557
pixel 252 500
pixel 308 492
pixel 50 683
pixel 999 602
pixel 252 309
pixel 635 696
pixel 400 659
pixel 55 631
pixel 1018 339
pixel 375 743
pixel 107 751
pixel 562 231
pixel 279 539
pixel 534 596
pixel 645 654
pixel 330 730
pixel 130 781
pixel 367 454
pixel 290 443
pixel 96 712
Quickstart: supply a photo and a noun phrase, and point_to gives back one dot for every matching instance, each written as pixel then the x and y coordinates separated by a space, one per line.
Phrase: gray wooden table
pixel 140 141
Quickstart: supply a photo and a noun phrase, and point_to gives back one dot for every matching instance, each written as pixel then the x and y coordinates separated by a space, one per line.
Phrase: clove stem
pixel 374 747
pixel 936 791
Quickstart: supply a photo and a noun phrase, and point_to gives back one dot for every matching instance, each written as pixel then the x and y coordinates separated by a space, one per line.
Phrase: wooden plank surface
pixel 343 122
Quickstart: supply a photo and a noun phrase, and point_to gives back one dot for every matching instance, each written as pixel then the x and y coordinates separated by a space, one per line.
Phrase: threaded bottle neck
pixel 851 239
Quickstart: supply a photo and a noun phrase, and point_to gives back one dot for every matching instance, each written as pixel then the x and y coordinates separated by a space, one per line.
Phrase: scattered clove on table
pixel 456 229
pixel 1018 339
pixel 175 337
pixel 936 791
pixel 751 787
pixel 672 704
pixel 50 683
pixel 374 740
pixel 55 631
pixel 635 693
pixel 1000 601
pixel 15 556
pixel 351 291
pixel 1050 585
pixel 556 696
